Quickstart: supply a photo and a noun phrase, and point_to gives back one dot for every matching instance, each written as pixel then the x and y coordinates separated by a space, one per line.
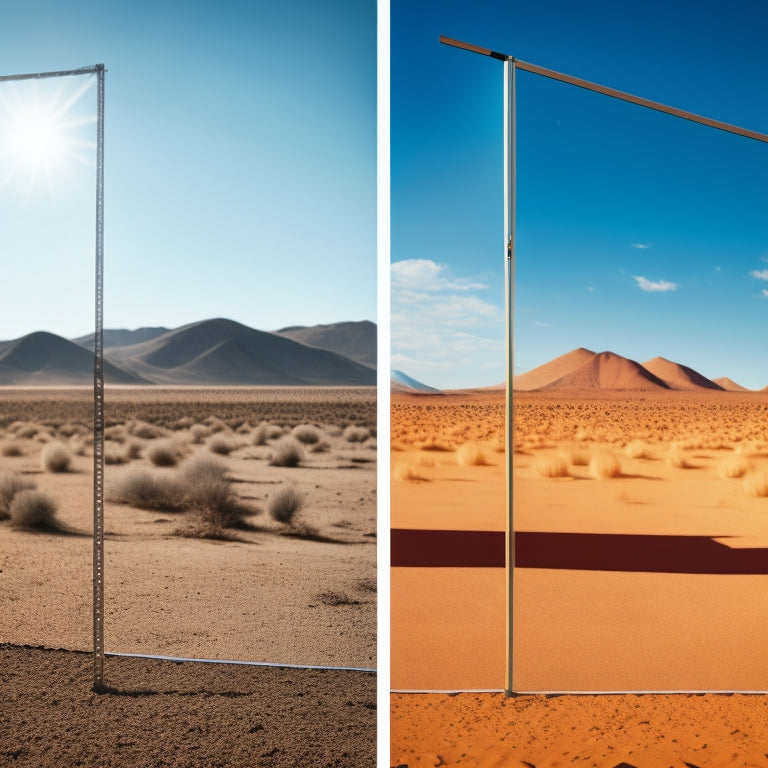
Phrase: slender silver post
pixel 509 247
pixel 98 404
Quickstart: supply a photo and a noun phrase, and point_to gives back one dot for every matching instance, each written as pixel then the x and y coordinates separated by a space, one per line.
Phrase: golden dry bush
pixel 575 455
pixel 735 465
pixel 637 449
pixel 756 483
pixel 471 455
pixel 677 458
pixel 604 464
pixel 409 473
pixel 551 465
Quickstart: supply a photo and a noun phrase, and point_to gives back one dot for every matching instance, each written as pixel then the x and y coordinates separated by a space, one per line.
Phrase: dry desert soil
pixel 641 527
pixel 182 582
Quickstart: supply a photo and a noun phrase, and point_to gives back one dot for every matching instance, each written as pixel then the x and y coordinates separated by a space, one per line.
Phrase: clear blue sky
pixel 638 232
pixel 240 164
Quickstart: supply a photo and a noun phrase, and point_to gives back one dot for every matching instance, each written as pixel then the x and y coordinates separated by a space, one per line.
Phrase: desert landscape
pixel 240 524
pixel 640 502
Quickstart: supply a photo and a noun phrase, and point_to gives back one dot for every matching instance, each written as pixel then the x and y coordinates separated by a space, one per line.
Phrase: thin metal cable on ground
pixel 241 663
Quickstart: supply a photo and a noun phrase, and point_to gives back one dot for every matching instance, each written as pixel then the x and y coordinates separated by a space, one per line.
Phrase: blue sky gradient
pixel 240 165
pixel 637 232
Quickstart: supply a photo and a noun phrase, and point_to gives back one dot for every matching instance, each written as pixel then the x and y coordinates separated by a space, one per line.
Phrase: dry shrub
pixel 284 504
pixel 733 466
pixel 215 424
pixel 113 453
pixel 266 432
pixel 353 434
pixel 286 453
pixel 756 484
pixel 55 457
pixel 133 449
pixel 575 455
pixel 306 433
pixel 551 465
pixel 145 430
pixel 677 458
pixel 185 422
pixel 221 444
pixel 163 454
pixel 147 490
pixel 33 510
pixel 210 495
pixel 471 455
pixel 604 464
pixel 637 449
pixel 10 485
pixel 11 449
pixel 117 433
pixel 199 432
pixel 322 447
pixel 410 473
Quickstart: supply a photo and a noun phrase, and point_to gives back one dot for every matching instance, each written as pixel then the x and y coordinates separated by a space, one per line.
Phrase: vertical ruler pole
pixel 509 237
pixel 98 404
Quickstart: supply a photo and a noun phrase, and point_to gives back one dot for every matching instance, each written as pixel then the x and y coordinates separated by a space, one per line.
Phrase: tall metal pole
pixel 98 404
pixel 509 243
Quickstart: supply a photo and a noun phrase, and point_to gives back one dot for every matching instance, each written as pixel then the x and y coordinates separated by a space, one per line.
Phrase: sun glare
pixel 44 133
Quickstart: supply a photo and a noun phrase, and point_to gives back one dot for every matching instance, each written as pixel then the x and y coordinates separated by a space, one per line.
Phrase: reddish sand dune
pixel 730 385
pixel 678 376
pixel 607 370
pixel 553 370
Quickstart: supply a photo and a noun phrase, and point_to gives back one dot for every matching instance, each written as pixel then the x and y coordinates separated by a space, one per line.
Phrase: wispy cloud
pixel 652 287
pixel 765 292
pixel 760 274
pixel 642 246
pixel 444 329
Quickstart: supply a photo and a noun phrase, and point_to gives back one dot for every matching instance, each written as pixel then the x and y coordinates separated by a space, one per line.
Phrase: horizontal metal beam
pixel 63 73
pixel 612 92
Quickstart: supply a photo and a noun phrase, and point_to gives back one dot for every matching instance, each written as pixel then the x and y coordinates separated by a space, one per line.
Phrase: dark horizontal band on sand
pixel 575 551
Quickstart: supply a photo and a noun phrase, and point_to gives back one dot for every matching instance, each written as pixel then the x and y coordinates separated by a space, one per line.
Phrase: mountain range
pixel 584 370
pixel 216 352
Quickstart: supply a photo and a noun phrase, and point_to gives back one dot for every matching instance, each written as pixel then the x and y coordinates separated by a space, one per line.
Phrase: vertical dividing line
pixel 98 404
pixel 509 238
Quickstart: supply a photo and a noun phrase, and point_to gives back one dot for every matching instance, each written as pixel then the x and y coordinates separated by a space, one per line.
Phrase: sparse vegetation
pixel 471 455
pixel 306 433
pixel 146 489
pixel 163 453
pixel 34 510
pixel 286 453
pixel 284 504
pixel 11 484
pixel 11 449
pixel 55 457
pixel 353 434
pixel 221 444
pixel 756 483
pixel 551 465
pixel 604 464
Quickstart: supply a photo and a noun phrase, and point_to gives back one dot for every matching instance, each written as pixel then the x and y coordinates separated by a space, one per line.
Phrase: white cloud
pixel 765 292
pixel 760 274
pixel 642 246
pixel 445 330
pixel 652 287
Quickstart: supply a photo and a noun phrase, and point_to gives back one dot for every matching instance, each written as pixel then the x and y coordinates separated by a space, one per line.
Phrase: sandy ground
pixel 269 594
pixel 581 624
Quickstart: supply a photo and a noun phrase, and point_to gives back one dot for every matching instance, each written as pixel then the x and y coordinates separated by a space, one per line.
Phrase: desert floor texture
pixel 181 584
pixel 642 528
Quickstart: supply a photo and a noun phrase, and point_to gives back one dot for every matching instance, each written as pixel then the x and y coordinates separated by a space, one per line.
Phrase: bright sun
pixel 43 133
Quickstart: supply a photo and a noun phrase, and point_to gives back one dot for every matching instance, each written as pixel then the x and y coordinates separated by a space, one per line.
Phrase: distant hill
pixel 401 382
pixel 221 352
pixel 584 370
pixel 355 340
pixel 44 359
pixel 121 337
pixel 730 385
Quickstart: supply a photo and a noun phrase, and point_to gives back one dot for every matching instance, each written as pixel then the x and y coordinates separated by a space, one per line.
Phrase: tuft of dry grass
pixel 471 455
pixel 756 484
pixel 55 457
pixel 637 449
pixel 677 458
pixel 145 489
pixel 11 484
pixel 604 464
pixel 733 466
pixel 33 510
pixel 199 432
pixel 410 473
pixel 163 453
pixel 306 433
pixel 11 448
pixel 551 465
pixel 353 434
pixel 286 453
pixel 221 444
pixel 284 503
